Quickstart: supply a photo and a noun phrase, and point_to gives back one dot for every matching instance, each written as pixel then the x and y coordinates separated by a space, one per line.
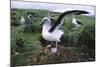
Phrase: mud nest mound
pixel 44 56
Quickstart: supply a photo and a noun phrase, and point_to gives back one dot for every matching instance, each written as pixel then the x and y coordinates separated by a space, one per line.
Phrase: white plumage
pixel 74 21
pixel 29 16
pixel 22 21
pixel 53 36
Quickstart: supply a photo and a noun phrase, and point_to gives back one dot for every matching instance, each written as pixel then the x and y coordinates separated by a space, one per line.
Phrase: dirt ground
pixel 64 55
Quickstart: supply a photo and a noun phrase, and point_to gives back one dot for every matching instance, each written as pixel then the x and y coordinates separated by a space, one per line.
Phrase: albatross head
pixel 46 20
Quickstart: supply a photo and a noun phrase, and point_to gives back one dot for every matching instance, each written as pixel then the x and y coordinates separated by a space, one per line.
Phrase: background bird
pixel 29 16
pixel 22 21
pixel 76 23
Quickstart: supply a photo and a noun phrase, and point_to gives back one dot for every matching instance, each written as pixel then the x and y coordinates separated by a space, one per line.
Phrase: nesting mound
pixel 46 57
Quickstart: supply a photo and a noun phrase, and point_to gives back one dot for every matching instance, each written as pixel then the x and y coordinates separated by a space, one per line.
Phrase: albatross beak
pixel 41 23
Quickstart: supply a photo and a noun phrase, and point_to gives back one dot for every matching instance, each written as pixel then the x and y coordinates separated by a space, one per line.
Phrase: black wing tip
pixel 82 12
pixel 78 12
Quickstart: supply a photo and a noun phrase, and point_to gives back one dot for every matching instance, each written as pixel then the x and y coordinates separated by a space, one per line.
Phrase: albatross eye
pixel 45 20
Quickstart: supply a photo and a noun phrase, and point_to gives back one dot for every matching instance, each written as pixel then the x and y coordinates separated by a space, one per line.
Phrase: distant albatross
pixel 22 21
pixel 51 29
pixel 76 23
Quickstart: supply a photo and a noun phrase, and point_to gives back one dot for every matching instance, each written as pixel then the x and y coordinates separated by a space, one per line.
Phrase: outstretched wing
pixel 73 12
pixel 52 21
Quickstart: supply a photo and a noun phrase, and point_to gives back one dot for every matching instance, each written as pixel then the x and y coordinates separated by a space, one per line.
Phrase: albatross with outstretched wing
pixel 51 29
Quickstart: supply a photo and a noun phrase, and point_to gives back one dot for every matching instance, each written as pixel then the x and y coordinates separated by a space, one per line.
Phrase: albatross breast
pixel 54 36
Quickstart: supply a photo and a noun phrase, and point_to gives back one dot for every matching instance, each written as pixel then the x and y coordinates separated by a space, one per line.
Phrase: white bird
pixel 75 22
pixel 51 29
pixel 25 19
pixel 29 16
pixel 53 36
pixel 22 21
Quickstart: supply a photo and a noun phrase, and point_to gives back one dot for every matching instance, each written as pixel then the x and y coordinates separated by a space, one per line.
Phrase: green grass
pixel 31 44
